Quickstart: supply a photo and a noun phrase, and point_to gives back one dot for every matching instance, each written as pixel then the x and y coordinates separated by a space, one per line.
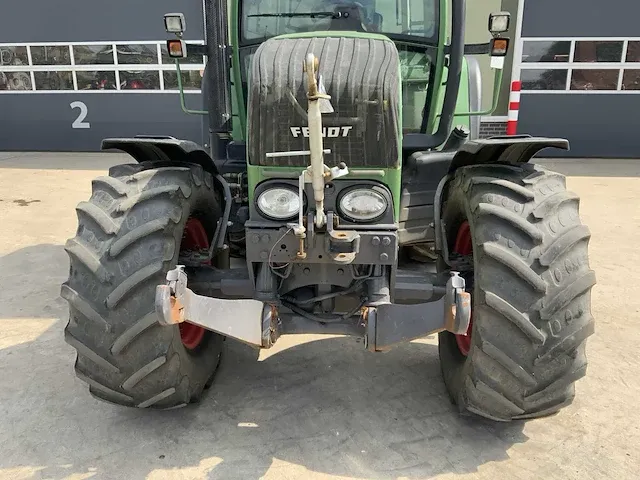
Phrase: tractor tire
pixel 531 292
pixel 130 233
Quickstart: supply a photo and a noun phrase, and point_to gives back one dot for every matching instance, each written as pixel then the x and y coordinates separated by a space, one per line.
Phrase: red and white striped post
pixel 516 84
pixel 514 107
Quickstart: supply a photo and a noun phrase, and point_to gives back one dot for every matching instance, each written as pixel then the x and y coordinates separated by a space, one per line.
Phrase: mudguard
pixel 162 149
pixel 511 150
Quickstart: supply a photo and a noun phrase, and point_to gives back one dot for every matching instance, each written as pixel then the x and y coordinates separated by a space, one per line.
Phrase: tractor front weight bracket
pixel 260 324
pixel 241 319
pixel 388 325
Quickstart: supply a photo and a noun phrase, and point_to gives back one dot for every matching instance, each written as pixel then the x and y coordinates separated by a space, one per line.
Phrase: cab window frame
pixel 396 37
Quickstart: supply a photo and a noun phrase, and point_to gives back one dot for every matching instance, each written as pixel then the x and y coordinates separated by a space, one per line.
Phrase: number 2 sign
pixel 79 122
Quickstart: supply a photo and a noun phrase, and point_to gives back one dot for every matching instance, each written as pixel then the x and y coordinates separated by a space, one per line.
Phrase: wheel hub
pixel 464 246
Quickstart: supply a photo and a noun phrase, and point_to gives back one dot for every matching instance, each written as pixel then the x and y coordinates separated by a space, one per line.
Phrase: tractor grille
pixel 362 77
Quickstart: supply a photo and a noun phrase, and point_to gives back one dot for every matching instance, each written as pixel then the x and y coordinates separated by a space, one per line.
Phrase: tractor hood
pixel 361 74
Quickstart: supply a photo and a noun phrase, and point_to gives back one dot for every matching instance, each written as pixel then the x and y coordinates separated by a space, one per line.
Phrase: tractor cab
pixel 419 29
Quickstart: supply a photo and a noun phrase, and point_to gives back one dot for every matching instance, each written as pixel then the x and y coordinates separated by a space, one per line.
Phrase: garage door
pixel 72 74
pixel 580 71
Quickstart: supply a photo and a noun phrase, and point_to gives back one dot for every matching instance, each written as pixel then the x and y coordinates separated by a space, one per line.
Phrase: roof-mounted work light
pixel 175 23
pixel 499 22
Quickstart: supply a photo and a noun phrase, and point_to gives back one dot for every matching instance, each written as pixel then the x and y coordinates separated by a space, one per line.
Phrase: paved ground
pixel 312 408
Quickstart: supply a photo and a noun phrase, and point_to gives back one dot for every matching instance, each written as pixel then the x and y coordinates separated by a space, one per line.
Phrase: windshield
pixel 261 20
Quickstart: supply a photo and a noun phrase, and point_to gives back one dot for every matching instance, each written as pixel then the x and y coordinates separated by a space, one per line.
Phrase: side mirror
pixel 499 22
pixel 175 23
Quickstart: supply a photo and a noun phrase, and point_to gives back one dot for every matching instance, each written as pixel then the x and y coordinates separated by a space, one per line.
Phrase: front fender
pixel 162 149
pixel 512 150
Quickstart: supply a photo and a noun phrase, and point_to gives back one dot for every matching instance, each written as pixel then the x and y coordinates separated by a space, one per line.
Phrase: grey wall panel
pixel 581 18
pixel 40 122
pixel 603 126
pixel 82 20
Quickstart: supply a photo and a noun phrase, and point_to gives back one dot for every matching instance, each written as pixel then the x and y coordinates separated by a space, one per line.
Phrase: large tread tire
pixel 129 235
pixel 531 294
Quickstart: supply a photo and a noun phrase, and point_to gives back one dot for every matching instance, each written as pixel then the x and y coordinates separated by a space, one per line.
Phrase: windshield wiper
pixel 301 14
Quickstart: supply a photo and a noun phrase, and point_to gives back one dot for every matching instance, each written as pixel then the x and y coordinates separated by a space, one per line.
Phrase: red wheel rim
pixel 464 246
pixel 194 238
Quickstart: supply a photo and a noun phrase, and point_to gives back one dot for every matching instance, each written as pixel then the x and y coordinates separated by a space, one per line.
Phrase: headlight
pixel 363 205
pixel 279 203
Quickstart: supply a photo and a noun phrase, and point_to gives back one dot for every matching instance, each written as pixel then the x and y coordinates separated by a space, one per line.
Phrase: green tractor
pixel 334 195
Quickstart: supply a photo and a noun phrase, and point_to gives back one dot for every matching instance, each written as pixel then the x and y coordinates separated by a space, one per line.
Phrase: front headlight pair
pixel 358 204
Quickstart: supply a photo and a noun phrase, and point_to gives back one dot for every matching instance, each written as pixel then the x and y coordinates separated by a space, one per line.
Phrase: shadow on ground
pixel 325 406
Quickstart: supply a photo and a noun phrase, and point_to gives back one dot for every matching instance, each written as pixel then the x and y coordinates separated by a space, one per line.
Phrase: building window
pixel 93 54
pixel 54 80
pixel 608 52
pixel 51 55
pixel 137 54
pixel 594 79
pixel 545 52
pixel 13 56
pixel 633 52
pixel 140 80
pixel 191 80
pixel 96 80
pixel 97 66
pixel 575 65
pixel 15 81
pixel 631 80
pixel 544 79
